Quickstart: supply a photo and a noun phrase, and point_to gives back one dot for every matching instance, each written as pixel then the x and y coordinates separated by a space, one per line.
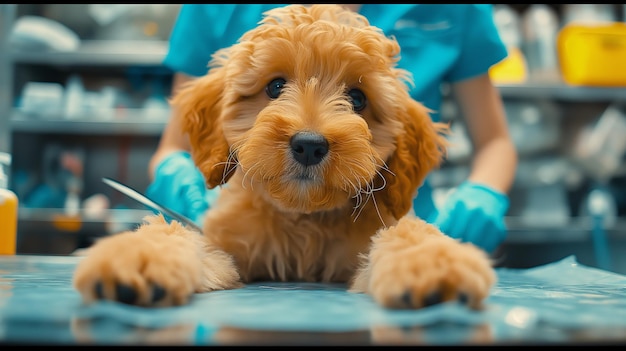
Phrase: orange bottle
pixel 8 212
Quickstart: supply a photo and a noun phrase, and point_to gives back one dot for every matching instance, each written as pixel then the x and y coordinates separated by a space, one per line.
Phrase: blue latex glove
pixel 180 186
pixel 474 213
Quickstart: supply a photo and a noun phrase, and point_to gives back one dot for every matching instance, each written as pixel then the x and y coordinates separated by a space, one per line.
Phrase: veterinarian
pixel 440 43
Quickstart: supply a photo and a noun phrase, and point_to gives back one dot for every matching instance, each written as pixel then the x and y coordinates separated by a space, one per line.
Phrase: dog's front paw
pixel 147 268
pixel 438 269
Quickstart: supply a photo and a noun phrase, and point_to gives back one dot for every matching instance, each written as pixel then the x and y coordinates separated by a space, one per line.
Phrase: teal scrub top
pixel 439 43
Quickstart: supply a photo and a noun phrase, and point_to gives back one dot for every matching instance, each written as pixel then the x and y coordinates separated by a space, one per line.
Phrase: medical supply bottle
pixel 8 210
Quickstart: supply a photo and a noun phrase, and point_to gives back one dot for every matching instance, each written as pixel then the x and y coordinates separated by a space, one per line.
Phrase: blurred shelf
pixel 59 214
pixel 57 225
pixel 151 53
pixel 116 122
pixel 576 229
pixel 562 91
pixel 520 231
pixel 99 53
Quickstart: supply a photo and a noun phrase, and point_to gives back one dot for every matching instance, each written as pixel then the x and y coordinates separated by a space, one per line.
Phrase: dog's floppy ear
pixel 199 105
pixel 420 149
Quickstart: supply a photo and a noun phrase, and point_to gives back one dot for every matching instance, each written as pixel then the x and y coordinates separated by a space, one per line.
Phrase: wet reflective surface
pixel 559 303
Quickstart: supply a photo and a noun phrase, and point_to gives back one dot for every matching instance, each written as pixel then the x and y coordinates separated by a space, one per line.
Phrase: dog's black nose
pixel 309 148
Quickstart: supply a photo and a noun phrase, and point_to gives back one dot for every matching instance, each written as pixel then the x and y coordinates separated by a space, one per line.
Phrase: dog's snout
pixel 309 148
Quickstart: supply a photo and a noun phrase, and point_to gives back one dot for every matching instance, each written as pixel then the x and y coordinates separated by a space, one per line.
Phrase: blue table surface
pixel 561 302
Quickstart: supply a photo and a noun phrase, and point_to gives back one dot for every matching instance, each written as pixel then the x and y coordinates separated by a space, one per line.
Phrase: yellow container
pixel 593 55
pixel 8 222
pixel 511 70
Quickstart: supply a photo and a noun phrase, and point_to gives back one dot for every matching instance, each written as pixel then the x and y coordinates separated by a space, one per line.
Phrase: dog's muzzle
pixel 308 148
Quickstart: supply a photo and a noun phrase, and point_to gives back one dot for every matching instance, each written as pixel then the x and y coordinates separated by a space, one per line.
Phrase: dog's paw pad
pixel 128 295
pixel 432 299
pixel 158 293
pixel 123 293
pixel 99 291
pixel 408 300
pixel 463 298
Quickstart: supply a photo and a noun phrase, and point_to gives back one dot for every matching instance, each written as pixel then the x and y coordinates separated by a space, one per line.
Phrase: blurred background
pixel 83 96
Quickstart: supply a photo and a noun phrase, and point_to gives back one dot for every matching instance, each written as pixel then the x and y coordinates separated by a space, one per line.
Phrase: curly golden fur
pixel 317 179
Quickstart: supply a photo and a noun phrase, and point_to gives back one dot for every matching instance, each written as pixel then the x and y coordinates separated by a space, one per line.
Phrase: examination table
pixel 563 302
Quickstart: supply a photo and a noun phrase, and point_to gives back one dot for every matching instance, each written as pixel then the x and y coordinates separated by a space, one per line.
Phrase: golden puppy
pixel 310 126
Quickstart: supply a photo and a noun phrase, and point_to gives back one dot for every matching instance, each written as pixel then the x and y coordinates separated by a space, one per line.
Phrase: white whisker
pixel 230 165
pixel 362 206
pixel 378 211
pixel 254 169
pixel 369 191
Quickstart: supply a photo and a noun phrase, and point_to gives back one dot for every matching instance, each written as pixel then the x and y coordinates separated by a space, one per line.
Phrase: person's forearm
pixel 495 164
pixel 172 139
pixel 495 159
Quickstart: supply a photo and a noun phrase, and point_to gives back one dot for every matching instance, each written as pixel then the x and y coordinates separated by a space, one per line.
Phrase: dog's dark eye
pixel 359 101
pixel 275 87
